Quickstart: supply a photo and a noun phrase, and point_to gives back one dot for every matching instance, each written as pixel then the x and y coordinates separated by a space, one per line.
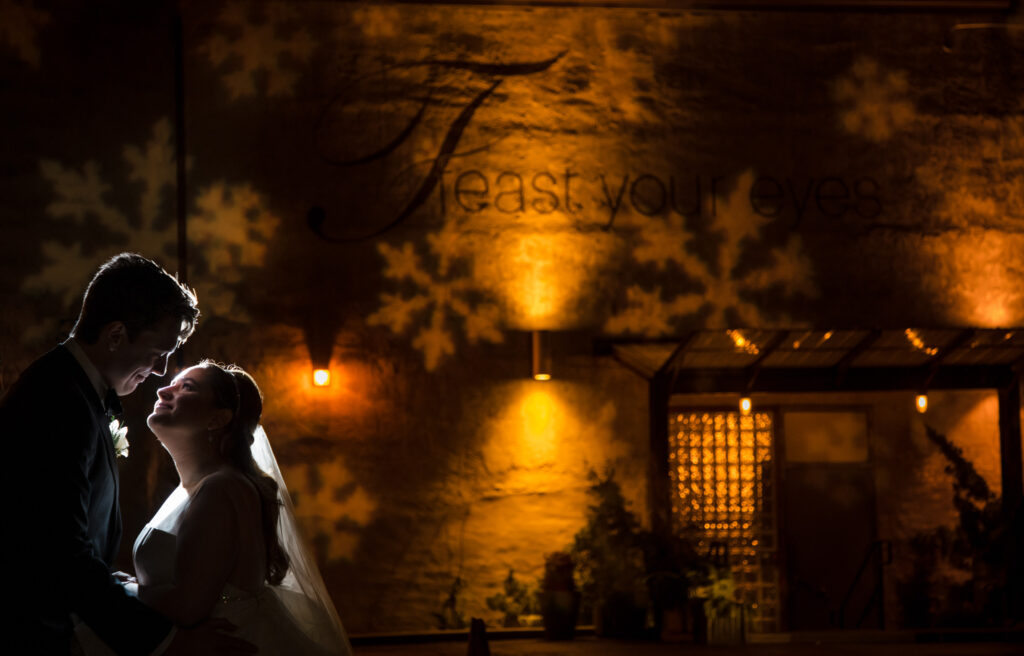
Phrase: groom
pixel 64 516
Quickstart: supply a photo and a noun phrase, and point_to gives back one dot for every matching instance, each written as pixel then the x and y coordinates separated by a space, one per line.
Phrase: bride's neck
pixel 194 465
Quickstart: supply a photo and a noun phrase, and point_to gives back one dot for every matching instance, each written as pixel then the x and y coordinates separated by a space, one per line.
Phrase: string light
pixel 921 403
pixel 745 406
pixel 742 343
pixel 915 340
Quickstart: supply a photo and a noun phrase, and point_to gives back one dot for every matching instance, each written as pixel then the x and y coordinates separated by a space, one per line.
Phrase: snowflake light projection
pixel 446 297
pixel 875 102
pixel 270 49
pixel 229 232
pixel 662 242
pixel 19 25
pixel 330 506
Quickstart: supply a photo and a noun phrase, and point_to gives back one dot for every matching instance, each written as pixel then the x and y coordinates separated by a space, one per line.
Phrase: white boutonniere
pixel 119 434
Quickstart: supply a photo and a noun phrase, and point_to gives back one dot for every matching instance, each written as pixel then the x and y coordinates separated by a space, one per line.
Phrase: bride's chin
pixel 155 423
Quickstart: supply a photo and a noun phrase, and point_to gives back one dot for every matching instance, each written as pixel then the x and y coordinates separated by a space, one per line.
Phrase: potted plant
pixel 514 603
pixel 559 599
pixel 673 567
pixel 718 617
pixel 608 552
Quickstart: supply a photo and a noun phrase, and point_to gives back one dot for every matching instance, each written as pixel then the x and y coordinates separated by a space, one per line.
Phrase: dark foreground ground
pixel 783 645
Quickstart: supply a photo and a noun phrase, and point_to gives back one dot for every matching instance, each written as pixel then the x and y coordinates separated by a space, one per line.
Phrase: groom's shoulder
pixel 52 369
pixel 49 377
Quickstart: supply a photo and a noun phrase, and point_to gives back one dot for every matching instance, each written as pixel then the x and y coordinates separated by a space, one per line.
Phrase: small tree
pixel 978 546
pixel 609 556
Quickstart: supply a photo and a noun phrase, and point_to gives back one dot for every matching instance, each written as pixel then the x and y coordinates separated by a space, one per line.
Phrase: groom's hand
pixel 209 637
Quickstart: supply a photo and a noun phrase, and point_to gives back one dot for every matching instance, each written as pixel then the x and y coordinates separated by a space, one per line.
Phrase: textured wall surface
pixel 409 189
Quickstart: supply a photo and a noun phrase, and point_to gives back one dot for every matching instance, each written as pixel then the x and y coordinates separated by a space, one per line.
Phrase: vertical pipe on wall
pixel 181 196
pixel 1013 491
pixel 1010 446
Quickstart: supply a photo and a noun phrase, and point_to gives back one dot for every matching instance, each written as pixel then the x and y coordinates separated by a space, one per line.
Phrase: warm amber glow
pixel 542 376
pixel 745 405
pixel 538 412
pixel 541 272
pixel 540 287
pixel 321 377
pixel 975 278
pixel 921 403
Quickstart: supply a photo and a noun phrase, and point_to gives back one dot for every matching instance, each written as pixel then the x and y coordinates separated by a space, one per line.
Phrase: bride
pixel 225 543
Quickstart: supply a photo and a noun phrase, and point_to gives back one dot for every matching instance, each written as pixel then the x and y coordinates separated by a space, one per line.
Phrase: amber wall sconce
pixel 921 402
pixel 321 376
pixel 540 355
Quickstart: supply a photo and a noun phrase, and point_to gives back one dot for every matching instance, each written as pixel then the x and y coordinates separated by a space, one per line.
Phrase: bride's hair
pixel 236 390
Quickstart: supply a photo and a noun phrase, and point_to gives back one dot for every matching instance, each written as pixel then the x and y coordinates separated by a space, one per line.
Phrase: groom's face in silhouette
pixel 133 360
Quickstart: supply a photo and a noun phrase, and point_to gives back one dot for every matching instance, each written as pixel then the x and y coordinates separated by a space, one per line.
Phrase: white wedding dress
pixel 294 618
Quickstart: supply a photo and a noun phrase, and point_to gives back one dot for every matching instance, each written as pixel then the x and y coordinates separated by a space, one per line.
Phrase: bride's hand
pixel 124 577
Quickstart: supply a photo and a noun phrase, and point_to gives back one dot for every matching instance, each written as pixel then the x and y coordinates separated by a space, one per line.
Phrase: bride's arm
pixel 207 544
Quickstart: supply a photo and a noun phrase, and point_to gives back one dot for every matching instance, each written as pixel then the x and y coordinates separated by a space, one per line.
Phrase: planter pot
pixel 619 617
pixel 672 625
pixel 725 627
pixel 559 608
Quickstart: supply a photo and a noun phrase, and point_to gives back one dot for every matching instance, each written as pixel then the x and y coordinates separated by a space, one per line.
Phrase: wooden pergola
pixel 744 362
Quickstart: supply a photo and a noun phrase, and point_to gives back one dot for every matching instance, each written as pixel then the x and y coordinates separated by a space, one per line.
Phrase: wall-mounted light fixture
pixel 921 402
pixel 541 355
pixel 321 377
pixel 745 406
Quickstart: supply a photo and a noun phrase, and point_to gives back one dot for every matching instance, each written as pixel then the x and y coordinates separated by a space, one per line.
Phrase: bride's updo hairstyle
pixel 236 390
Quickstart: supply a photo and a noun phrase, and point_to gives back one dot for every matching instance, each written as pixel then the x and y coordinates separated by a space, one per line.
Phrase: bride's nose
pixel 164 392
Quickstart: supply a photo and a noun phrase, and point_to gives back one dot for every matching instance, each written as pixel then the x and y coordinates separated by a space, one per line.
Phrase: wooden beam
pixel 859 379
pixel 754 367
pixel 659 501
pixel 760 5
pixel 936 360
pixel 865 343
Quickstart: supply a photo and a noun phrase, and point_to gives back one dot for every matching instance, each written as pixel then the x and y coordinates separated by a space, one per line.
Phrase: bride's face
pixel 187 406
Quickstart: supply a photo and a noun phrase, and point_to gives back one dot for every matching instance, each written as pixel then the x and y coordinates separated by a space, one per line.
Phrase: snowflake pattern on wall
pixel 271 50
pixel 19 26
pixel 330 506
pixel 229 231
pixel 875 103
pixel 661 242
pixel 445 298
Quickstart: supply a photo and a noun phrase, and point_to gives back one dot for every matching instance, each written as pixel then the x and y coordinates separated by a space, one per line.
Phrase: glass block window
pixel 723 499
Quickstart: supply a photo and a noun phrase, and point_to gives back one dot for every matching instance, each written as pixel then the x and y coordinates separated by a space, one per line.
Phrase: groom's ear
pixel 115 334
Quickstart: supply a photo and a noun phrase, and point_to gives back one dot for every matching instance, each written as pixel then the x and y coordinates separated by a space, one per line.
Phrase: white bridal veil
pixel 303 591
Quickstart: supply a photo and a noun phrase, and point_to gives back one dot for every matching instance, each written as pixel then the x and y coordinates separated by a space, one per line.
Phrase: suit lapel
pixel 113 529
pixel 108 449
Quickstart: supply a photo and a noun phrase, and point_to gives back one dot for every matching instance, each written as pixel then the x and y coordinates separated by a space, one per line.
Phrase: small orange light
pixel 921 402
pixel 542 376
pixel 321 377
pixel 745 405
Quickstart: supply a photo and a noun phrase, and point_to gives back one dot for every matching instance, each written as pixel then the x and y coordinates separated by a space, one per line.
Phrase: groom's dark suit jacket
pixel 65 520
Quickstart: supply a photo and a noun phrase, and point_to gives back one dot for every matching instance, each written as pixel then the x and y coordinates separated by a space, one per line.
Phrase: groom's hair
pixel 137 291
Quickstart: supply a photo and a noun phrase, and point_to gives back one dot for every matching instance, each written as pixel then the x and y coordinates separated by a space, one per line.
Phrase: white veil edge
pixel 309 603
